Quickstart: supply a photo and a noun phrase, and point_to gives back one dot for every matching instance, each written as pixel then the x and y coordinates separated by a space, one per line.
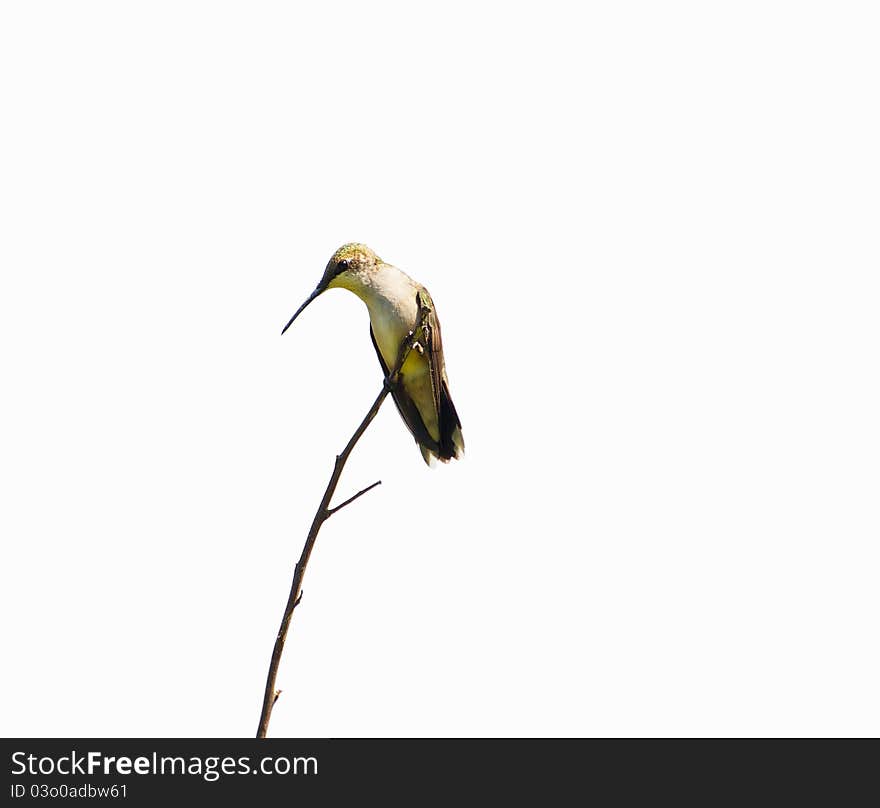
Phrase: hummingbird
pixel 393 302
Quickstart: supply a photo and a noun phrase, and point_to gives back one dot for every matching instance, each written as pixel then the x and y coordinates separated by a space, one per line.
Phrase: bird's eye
pixel 341 266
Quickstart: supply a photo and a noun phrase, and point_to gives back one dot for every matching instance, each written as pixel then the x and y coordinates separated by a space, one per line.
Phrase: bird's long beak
pixel 311 297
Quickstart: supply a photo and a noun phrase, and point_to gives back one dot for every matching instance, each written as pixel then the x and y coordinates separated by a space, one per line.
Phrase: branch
pixel 324 512
pixel 352 499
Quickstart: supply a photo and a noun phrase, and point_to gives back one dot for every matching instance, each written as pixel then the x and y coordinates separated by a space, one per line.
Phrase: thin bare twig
pixel 324 512
pixel 352 499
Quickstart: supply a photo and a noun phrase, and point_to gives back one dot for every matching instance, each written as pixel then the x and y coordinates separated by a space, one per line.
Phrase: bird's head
pixel 347 268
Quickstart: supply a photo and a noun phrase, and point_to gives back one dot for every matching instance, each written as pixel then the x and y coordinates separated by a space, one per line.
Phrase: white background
pixel 651 233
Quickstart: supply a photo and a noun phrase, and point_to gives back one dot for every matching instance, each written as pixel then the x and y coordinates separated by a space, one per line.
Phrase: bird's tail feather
pixel 451 442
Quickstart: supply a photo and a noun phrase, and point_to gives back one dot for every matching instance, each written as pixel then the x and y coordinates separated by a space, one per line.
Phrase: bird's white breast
pixel 390 296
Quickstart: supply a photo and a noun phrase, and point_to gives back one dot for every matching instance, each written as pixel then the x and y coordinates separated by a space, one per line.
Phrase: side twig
pixel 324 512
pixel 360 493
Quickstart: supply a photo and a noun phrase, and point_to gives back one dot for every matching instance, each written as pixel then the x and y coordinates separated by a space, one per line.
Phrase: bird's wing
pixel 433 342
pixel 451 443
